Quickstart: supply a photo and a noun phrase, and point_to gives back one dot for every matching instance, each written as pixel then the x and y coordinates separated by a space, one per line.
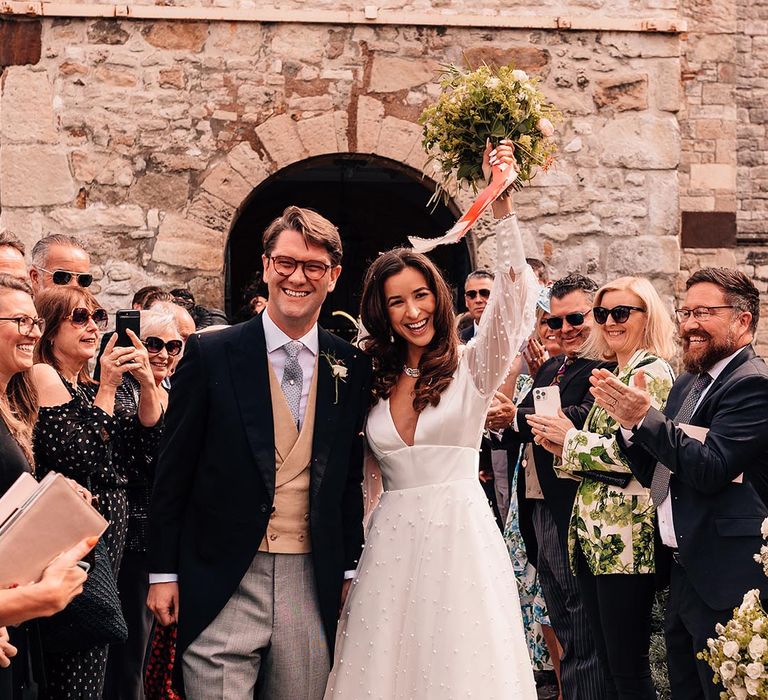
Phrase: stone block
pixel 641 44
pixel 160 191
pixel 28 225
pixel 709 48
pixel 301 42
pixel 622 92
pixel 172 77
pixel 99 217
pixel 248 164
pixel 34 176
pixel 643 255
pixel 341 126
pixel 667 85
pixel 318 134
pixel 397 138
pixel 234 39
pixel 20 42
pixel 568 228
pixel 26 107
pixel 532 60
pixel 663 203
pixel 281 140
pixel 107 31
pixel 227 184
pixel 391 74
pixel 184 243
pixel 717 94
pixel 211 212
pixel 177 35
pixel 643 142
pixel 370 114
pixel 713 176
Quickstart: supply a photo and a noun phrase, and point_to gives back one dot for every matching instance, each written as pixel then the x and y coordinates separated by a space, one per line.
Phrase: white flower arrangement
pixel 739 654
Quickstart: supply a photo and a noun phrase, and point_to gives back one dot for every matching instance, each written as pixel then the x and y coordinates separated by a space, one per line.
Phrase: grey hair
pixel 8 239
pixel 43 246
pixel 157 322
pixel 178 312
pixel 481 273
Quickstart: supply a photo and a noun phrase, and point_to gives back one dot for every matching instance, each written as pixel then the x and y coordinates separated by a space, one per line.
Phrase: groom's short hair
pixel 315 228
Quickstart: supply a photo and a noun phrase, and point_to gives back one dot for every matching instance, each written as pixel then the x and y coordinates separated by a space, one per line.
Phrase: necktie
pixel 293 378
pixel 661 475
pixel 561 371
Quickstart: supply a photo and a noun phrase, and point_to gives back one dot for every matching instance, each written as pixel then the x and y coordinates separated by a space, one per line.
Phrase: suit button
pixel 301 538
pixel 264 508
pixel 273 537
pixel 306 516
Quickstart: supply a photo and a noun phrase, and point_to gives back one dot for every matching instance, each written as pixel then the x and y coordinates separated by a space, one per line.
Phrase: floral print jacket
pixel 613 525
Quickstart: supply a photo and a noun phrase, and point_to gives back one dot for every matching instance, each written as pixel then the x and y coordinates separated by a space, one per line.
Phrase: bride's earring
pixel 391 337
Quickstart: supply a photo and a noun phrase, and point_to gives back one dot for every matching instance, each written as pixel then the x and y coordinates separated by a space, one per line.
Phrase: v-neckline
pixel 394 425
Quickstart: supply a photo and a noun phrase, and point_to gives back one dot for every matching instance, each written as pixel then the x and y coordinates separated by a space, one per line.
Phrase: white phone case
pixel 546 400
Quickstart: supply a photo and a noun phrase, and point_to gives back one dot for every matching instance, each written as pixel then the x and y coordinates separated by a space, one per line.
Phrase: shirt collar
pixel 716 370
pixel 476 326
pixel 276 338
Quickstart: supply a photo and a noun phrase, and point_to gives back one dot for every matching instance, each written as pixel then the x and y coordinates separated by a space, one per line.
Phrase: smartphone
pixel 546 400
pixel 127 318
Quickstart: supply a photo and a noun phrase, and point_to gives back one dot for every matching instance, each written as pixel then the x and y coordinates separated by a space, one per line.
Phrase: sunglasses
pixel 64 277
pixel 620 313
pixel 472 293
pixel 577 319
pixel 154 345
pixel 80 316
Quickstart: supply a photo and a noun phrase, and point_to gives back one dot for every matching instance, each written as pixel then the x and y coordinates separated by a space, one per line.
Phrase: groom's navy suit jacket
pixel 215 478
pixel 717 522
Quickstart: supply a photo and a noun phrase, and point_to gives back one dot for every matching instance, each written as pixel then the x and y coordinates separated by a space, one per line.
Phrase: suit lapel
pixel 248 362
pixel 327 409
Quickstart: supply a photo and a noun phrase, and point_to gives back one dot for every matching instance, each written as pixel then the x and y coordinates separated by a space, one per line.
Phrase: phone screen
pixel 127 318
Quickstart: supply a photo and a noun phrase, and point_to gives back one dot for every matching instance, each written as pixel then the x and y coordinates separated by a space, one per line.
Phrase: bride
pixel 433 612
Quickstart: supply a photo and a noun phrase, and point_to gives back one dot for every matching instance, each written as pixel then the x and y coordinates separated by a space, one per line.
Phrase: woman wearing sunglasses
pixel 612 530
pixel 160 336
pixel 82 433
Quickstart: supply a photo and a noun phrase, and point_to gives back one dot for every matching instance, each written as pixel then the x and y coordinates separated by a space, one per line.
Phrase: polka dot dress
pixel 84 443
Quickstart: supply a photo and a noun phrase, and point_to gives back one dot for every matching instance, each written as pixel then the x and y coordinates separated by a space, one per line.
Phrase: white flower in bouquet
pixel 751 600
pixel 764 529
pixel 731 649
pixel 757 626
pixel 492 83
pixel 728 670
pixel 755 669
pixel 545 127
pixel 720 629
pixel 739 692
pixel 520 75
pixel 753 686
pixel 757 647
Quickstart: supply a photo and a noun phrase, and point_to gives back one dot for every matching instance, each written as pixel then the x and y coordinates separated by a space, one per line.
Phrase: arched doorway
pixel 375 202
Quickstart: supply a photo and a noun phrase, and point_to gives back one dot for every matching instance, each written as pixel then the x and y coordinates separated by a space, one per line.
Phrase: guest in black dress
pixel 82 433
pixel 125 667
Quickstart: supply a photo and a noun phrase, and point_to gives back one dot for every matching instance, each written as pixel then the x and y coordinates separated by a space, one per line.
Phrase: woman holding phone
pixel 82 433
pixel 611 533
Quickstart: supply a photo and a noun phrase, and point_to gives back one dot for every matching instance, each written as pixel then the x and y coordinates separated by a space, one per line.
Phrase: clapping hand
pixel 627 405
pixel 7 650
pixel 501 414
pixel 535 355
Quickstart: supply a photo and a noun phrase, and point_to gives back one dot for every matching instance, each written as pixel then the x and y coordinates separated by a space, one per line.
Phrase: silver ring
pixel 544 429
pixel 118 363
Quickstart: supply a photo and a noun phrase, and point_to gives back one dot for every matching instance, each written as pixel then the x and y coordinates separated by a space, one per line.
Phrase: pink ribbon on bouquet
pixel 489 195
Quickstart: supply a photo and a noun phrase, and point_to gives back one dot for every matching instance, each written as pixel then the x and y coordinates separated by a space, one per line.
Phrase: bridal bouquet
pixel 739 655
pixel 487 103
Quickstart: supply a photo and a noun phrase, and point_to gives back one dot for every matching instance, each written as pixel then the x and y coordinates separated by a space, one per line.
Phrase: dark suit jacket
pixel 717 522
pixel 215 478
pixel 559 494
pixel 467 334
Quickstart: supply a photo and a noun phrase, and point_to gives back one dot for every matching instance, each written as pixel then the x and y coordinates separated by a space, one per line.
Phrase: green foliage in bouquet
pixel 739 654
pixel 487 103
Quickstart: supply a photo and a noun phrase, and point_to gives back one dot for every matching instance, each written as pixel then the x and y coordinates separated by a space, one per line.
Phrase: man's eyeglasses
pixel 700 313
pixel 620 313
pixel 472 293
pixel 64 277
pixel 312 269
pixel 80 316
pixel 577 319
pixel 154 345
pixel 26 323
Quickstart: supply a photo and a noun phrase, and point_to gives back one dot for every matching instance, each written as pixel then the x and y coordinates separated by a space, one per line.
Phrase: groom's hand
pixel 163 601
pixel 344 592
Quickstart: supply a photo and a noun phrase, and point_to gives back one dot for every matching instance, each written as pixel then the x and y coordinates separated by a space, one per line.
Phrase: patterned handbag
pixel 92 619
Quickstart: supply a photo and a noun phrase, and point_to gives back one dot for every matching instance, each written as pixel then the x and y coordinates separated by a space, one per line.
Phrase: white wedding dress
pixel 433 612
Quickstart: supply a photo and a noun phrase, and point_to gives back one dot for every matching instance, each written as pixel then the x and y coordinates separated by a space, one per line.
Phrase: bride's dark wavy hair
pixel 441 358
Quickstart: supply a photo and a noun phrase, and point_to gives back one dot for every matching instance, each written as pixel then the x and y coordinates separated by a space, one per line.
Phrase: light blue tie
pixel 293 378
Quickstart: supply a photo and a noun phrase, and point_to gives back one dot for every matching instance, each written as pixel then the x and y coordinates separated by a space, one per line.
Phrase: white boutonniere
pixel 339 372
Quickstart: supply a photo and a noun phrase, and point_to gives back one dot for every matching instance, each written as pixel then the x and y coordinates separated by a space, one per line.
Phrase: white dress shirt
pixel 664 510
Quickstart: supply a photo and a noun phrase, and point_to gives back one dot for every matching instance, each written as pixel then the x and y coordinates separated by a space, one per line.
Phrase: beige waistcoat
pixel 288 528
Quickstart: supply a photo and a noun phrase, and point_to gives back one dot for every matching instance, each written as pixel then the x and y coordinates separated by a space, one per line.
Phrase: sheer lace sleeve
pixel 509 317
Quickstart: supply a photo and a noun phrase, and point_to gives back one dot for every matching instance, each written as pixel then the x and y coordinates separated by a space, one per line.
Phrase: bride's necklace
pixel 414 372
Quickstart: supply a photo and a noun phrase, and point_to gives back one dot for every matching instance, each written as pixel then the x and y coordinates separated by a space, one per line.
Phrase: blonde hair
pixel 659 331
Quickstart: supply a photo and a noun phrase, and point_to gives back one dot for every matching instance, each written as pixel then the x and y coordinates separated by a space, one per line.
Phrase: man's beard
pixel 711 356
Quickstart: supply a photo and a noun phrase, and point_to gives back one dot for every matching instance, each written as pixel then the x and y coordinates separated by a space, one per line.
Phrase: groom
pixel 256 517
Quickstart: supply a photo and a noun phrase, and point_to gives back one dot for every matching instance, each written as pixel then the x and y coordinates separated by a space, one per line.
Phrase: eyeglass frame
pixel 559 320
pixel 303 264
pixel 71 273
pixel 687 313
pixel 83 324
pixel 472 294
pixel 163 344
pixel 598 310
pixel 39 322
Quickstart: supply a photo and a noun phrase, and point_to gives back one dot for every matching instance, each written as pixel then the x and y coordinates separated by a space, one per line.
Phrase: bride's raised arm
pixel 509 316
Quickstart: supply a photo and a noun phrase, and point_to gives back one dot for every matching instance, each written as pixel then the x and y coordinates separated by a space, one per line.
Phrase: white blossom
pixel 728 670
pixel 757 647
pixel 731 649
pixel 545 127
pixel 340 371
pixel 751 599
pixel 520 75
pixel 739 692
pixel 764 529
pixel 492 83
pixel 753 686
pixel 755 669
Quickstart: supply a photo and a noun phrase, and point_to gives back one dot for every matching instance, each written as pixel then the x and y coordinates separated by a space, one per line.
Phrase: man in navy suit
pixel 709 482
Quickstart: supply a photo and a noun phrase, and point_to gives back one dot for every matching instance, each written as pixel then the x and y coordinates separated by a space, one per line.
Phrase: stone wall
pixel 144 137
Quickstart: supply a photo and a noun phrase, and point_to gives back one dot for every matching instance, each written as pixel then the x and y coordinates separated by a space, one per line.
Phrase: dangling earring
pixel 391 336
